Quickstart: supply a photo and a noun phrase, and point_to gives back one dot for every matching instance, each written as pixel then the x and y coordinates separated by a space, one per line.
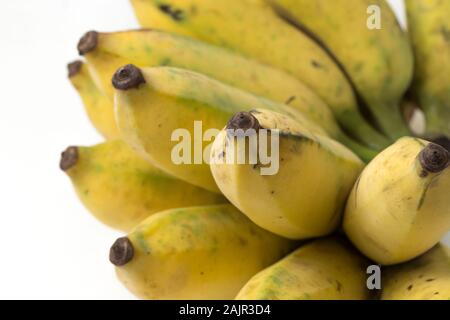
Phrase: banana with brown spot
pixel 306 196
pixel 121 189
pixel 194 253
pixel 400 207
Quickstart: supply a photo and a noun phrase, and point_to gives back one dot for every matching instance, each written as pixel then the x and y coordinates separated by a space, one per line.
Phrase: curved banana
pixel 306 196
pixel 326 269
pixel 121 189
pixel 98 107
pixel 194 253
pixel 252 28
pixel 379 62
pixel 429 30
pixel 152 103
pixel 150 48
pixel 400 207
pixel 425 278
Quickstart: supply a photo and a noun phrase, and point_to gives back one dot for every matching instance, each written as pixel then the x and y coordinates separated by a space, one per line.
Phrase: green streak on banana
pixel 326 269
pixel 379 62
pixel 98 107
pixel 306 197
pixel 120 189
pixel 399 208
pixel 429 30
pixel 194 253
pixel 252 28
pixel 172 99
pixel 150 48
pixel 425 278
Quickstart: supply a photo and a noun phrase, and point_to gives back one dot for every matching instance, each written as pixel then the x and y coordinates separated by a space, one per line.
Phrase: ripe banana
pixel 194 253
pixel 150 48
pixel 99 107
pixel 425 278
pixel 151 103
pixel 305 198
pixel 400 207
pixel 326 269
pixel 252 28
pixel 121 189
pixel 379 62
pixel 429 30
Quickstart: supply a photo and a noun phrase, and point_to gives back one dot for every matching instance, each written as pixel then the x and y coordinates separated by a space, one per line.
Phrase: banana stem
pixel 359 129
pixel 366 154
pixel 391 121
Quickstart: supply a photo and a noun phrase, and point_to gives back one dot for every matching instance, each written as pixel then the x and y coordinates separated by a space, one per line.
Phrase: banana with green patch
pixel 379 62
pixel 98 106
pixel 158 109
pixel 305 197
pixel 325 269
pixel 425 278
pixel 194 253
pixel 252 28
pixel 400 206
pixel 429 30
pixel 150 48
pixel 120 189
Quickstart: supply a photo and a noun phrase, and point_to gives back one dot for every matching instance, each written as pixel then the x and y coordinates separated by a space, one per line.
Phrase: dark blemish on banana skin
pixel 410 287
pixel 423 174
pixel 356 190
pixel 316 64
pixel 339 286
pixel 429 280
pixel 290 100
pixel 175 14
pixel 445 33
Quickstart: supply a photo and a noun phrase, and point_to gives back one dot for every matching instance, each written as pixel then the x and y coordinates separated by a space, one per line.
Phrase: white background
pixel 51 248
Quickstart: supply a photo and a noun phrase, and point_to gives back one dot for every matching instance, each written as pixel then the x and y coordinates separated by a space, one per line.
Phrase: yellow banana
pixel 98 107
pixel 121 189
pixel 379 62
pixel 429 30
pixel 425 278
pixel 400 207
pixel 150 48
pixel 326 269
pixel 307 194
pixel 151 103
pixel 252 28
pixel 194 253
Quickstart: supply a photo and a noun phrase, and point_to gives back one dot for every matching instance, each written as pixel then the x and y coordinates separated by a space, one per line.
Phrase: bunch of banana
pixel 379 63
pixel 429 30
pixel 236 128
pixel 106 52
pixel 254 29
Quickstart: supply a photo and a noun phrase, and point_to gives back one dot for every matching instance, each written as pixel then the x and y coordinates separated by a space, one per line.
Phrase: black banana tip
pixel 88 42
pixel 74 68
pixel 443 141
pixel 69 158
pixel 243 121
pixel 121 252
pixel 128 77
pixel 434 158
